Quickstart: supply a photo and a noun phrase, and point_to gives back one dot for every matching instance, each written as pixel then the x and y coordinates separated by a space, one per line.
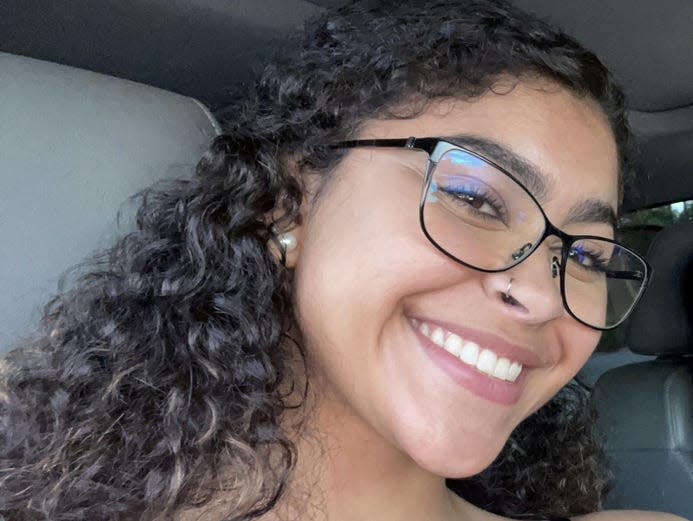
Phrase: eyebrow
pixel 538 183
pixel 592 211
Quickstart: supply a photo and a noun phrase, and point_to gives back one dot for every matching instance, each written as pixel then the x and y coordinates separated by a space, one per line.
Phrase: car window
pixel 639 228
pixel 637 231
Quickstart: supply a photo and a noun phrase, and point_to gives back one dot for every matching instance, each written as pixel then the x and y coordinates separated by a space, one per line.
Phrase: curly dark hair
pixel 160 377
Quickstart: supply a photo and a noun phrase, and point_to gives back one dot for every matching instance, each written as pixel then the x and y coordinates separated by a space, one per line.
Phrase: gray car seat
pixel 74 146
pixel 646 409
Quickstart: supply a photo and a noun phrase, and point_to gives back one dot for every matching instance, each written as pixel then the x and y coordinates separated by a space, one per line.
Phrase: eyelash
pixel 482 195
pixel 600 264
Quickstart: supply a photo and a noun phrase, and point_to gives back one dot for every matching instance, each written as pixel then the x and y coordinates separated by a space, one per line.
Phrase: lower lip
pixel 487 387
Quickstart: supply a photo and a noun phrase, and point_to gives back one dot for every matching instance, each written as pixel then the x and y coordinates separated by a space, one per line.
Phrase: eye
pixel 592 260
pixel 470 197
pixel 479 203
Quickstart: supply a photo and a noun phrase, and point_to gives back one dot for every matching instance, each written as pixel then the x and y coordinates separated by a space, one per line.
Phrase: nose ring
pixel 506 293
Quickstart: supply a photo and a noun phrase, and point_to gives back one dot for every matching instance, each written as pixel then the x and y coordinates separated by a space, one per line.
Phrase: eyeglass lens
pixel 481 216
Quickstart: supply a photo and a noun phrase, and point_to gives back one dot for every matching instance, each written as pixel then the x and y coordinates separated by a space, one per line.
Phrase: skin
pixel 362 251
pixel 385 423
pixel 389 422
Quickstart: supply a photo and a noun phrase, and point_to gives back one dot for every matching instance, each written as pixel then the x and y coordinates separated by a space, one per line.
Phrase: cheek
pixel 354 272
pixel 577 342
pixel 580 342
pixel 362 259
pixel 363 250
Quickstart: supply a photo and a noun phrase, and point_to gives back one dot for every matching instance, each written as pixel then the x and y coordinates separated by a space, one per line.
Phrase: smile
pixel 483 359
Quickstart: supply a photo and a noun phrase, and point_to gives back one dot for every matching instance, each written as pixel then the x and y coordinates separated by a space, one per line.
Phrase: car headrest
pixel 74 147
pixel 662 324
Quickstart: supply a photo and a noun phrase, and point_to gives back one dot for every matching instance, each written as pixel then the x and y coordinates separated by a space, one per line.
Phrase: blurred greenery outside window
pixel 637 230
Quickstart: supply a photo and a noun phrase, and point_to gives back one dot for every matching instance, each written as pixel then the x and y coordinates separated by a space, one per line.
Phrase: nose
pixel 534 296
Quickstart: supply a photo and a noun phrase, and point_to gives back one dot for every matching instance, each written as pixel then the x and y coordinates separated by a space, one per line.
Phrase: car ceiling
pixel 211 49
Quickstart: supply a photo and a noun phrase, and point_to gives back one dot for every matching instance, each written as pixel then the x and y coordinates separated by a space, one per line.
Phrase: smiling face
pixel 374 298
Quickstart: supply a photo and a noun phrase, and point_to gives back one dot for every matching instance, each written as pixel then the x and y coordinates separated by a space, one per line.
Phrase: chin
pixel 457 468
pixel 455 460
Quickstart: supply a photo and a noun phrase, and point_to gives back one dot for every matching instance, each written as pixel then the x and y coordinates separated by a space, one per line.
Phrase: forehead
pixel 564 137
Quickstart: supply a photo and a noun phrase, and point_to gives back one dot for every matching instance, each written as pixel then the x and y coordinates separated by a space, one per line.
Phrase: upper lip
pixel 487 340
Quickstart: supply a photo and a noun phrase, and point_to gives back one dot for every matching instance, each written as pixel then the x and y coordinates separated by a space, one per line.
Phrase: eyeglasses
pixel 480 215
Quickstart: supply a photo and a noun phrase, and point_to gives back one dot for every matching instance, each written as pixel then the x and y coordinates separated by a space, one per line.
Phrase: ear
pixel 287 238
pixel 285 244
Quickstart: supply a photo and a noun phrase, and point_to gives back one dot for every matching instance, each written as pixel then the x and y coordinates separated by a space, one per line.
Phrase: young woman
pixel 384 274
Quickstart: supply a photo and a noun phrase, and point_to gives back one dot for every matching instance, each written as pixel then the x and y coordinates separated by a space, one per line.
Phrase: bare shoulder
pixel 629 515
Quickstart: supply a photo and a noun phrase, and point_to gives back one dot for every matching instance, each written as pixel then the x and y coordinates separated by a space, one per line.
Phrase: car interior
pixel 100 99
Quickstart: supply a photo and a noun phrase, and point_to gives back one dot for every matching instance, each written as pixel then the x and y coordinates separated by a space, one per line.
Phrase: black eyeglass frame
pixel 429 144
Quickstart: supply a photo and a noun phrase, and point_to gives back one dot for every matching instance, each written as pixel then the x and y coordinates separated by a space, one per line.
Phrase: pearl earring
pixel 288 241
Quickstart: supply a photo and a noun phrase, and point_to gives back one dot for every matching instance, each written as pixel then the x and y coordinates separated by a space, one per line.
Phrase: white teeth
pixel 470 353
pixel 501 369
pixel 487 361
pixel 453 345
pixel 438 337
pixel 514 371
